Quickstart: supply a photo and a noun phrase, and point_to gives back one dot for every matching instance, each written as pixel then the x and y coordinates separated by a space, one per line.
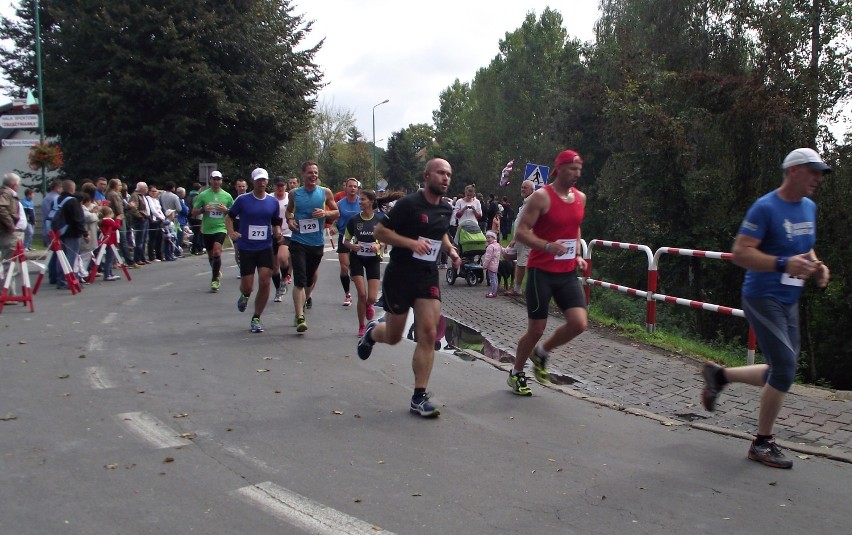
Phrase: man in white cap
pixel 260 224
pixel 775 244
pixel 213 203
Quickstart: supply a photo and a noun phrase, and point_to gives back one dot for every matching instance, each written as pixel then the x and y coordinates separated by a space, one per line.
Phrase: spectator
pixel 75 220
pixel 29 213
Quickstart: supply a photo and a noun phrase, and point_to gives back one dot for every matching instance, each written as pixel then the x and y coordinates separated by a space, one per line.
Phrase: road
pixel 149 407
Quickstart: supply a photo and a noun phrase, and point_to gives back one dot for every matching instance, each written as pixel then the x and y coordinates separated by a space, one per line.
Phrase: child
pixel 491 261
pixel 170 231
pixel 109 229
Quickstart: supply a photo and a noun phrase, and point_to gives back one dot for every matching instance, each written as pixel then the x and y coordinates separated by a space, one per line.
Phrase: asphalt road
pixel 149 407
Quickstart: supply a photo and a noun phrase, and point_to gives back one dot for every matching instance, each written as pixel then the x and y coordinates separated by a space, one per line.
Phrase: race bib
pixel 791 281
pixel 308 226
pixel 434 249
pixel 571 253
pixel 366 249
pixel 257 232
pixel 216 213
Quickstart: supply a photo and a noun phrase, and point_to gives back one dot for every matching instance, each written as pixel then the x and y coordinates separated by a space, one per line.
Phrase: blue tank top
pixel 347 210
pixel 309 230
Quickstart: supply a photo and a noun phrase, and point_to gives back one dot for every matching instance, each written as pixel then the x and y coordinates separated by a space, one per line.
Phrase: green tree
pixel 407 151
pixel 149 89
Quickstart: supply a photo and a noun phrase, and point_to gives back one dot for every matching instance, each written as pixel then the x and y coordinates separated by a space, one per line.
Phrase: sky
pixel 408 53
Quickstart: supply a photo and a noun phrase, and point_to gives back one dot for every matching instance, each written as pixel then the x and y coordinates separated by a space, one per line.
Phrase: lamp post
pixel 40 91
pixel 375 179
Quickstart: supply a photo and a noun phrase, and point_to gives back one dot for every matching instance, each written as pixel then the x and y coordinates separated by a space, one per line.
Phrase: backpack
pixel 56 217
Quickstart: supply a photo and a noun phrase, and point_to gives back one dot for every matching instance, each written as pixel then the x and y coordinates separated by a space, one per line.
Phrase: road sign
pixel 19 142
pixel 537 174
pixel 19 121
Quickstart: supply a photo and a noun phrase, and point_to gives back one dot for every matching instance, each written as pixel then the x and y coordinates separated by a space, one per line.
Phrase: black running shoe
pixel 770 454
pixel 712 388
pixel 421 405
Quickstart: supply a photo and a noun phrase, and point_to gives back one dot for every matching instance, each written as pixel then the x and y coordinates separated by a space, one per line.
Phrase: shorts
pixel 359 264
pixel 250 261
pixel 405 283
pixel 776 326
pixel 285 242
pixel 564 288
pixel 523 252
pixel 340 247
pixel 210 239
pixel 305 260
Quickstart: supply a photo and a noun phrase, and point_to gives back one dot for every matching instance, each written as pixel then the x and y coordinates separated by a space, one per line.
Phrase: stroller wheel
pixel 472 279
pixel 451 275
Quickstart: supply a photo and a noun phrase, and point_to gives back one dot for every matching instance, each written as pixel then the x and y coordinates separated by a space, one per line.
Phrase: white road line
pixel 109 318
pixel 96 343
pixel 131 300
pixel 152 430
pixel 303 512
pixel 241 454
pixel 160 287
pixel 98 378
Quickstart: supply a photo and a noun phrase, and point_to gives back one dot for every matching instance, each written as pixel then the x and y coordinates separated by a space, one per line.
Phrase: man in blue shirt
pixel 775 245
pixel 348 206
pixel 260 224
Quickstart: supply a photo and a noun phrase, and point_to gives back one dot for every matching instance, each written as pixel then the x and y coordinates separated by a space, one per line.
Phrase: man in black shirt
pixel 72 213
pixel 416 227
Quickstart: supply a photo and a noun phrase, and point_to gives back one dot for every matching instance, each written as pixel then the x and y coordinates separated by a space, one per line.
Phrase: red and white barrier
pixel 18 262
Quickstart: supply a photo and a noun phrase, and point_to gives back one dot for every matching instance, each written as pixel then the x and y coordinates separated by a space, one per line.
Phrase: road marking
pixel 96 343
pixel 303 512
pixel 241 454
pixel 98 378
pixel 160 287
pixel 152 430
pixel 131 300
pixel 109 318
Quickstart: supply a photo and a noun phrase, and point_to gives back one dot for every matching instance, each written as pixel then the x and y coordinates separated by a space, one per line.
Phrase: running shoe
pixel 371 312
pixel 256 325
pixel 770 454
pixel 214 286
pixel 518 383
pixel 365 344
pixel 361 330
pixel 539 366
pixel 283 290
pixel 309 302
pixel 421 405
pixel 347 300
pixel 712 388
pixel 112 278
pixel 380 302
pixel 301 324
pixel 278 295
pixel 242 302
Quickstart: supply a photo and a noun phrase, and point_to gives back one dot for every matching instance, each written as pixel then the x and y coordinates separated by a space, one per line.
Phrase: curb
pixel 824 452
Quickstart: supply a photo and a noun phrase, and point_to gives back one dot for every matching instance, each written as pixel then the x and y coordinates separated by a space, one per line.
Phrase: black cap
pixel 279 180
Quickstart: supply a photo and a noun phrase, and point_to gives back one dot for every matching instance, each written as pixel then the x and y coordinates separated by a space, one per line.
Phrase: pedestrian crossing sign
pixel 537 174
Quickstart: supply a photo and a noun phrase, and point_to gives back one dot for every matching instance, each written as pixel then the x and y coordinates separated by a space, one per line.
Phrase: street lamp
pixel 375 178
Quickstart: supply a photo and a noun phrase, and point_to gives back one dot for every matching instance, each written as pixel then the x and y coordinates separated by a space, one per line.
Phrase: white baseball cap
pixel 215 174
pixel 805 156
pixel 259 174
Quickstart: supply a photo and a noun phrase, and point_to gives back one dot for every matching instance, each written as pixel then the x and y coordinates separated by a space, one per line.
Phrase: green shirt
pixel 213 221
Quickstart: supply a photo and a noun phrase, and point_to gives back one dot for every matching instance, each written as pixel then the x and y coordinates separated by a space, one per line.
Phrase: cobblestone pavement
pixel 654 382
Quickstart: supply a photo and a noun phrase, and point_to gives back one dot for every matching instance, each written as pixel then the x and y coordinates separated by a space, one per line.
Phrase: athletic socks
pixel 344 280
pixel 216 264
pixel 419 393
pixel 721 380
pixel 539 350
pixel 276 280
pixel 762 439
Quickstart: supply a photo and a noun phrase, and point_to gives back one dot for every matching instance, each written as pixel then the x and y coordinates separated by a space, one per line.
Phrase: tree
pixel 149 89
pixel 407 151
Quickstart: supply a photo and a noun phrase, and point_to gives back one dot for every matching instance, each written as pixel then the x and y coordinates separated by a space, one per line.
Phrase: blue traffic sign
pixel 537 174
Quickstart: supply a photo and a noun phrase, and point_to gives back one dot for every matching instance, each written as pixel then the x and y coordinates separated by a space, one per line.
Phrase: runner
pixel 240 187
pixel 306 213
pixel 260 226
pixel 416 227
pixel 281 266
pixel 348 206
pixel 213 203
pixel 550 226
pixel 365 253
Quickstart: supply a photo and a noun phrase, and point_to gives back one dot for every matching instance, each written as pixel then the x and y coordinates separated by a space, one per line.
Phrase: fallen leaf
pixel 357 500
pixel 803 456
pixel 417 494
pixel 380 462
pixel 558 469
pixel 22 342
pixel 188 436
pixel 262 370
pixel 267 358
pixel 63 376
pixel 9 416
pixel 532 472
pixel 773 483
pixel 180 415
pixel 111 466
pixel 175 353
pixel 356 415
pixel 552 460
pixel 337 412
pixel 81 357
pixel 169 460
pixel 277 391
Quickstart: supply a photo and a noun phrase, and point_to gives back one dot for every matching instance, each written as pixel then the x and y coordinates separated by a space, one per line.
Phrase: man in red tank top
pixel 550 226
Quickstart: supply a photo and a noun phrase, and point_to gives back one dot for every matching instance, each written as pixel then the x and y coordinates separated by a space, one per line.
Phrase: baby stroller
pixel 472 244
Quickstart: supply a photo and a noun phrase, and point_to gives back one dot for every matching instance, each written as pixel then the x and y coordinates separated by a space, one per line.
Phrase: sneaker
pixel 309 302
pixel 242 302
pixel 518 383
pixel 380 302
pixel 770 454
pixel 214 286
pixel 347 300
pixel 421 405
pixel 112 278
pixel 283 290
pixel 539 366
pixel 712 388
pixel 490 295
pixel 365 344
pixel 301 324
pixel 361 330
pixel 371 312
pixel 256 325
pixel 278 295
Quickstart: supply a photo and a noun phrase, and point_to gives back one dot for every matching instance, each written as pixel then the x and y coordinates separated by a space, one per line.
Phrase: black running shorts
pixel 564 288
pixel 404 283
